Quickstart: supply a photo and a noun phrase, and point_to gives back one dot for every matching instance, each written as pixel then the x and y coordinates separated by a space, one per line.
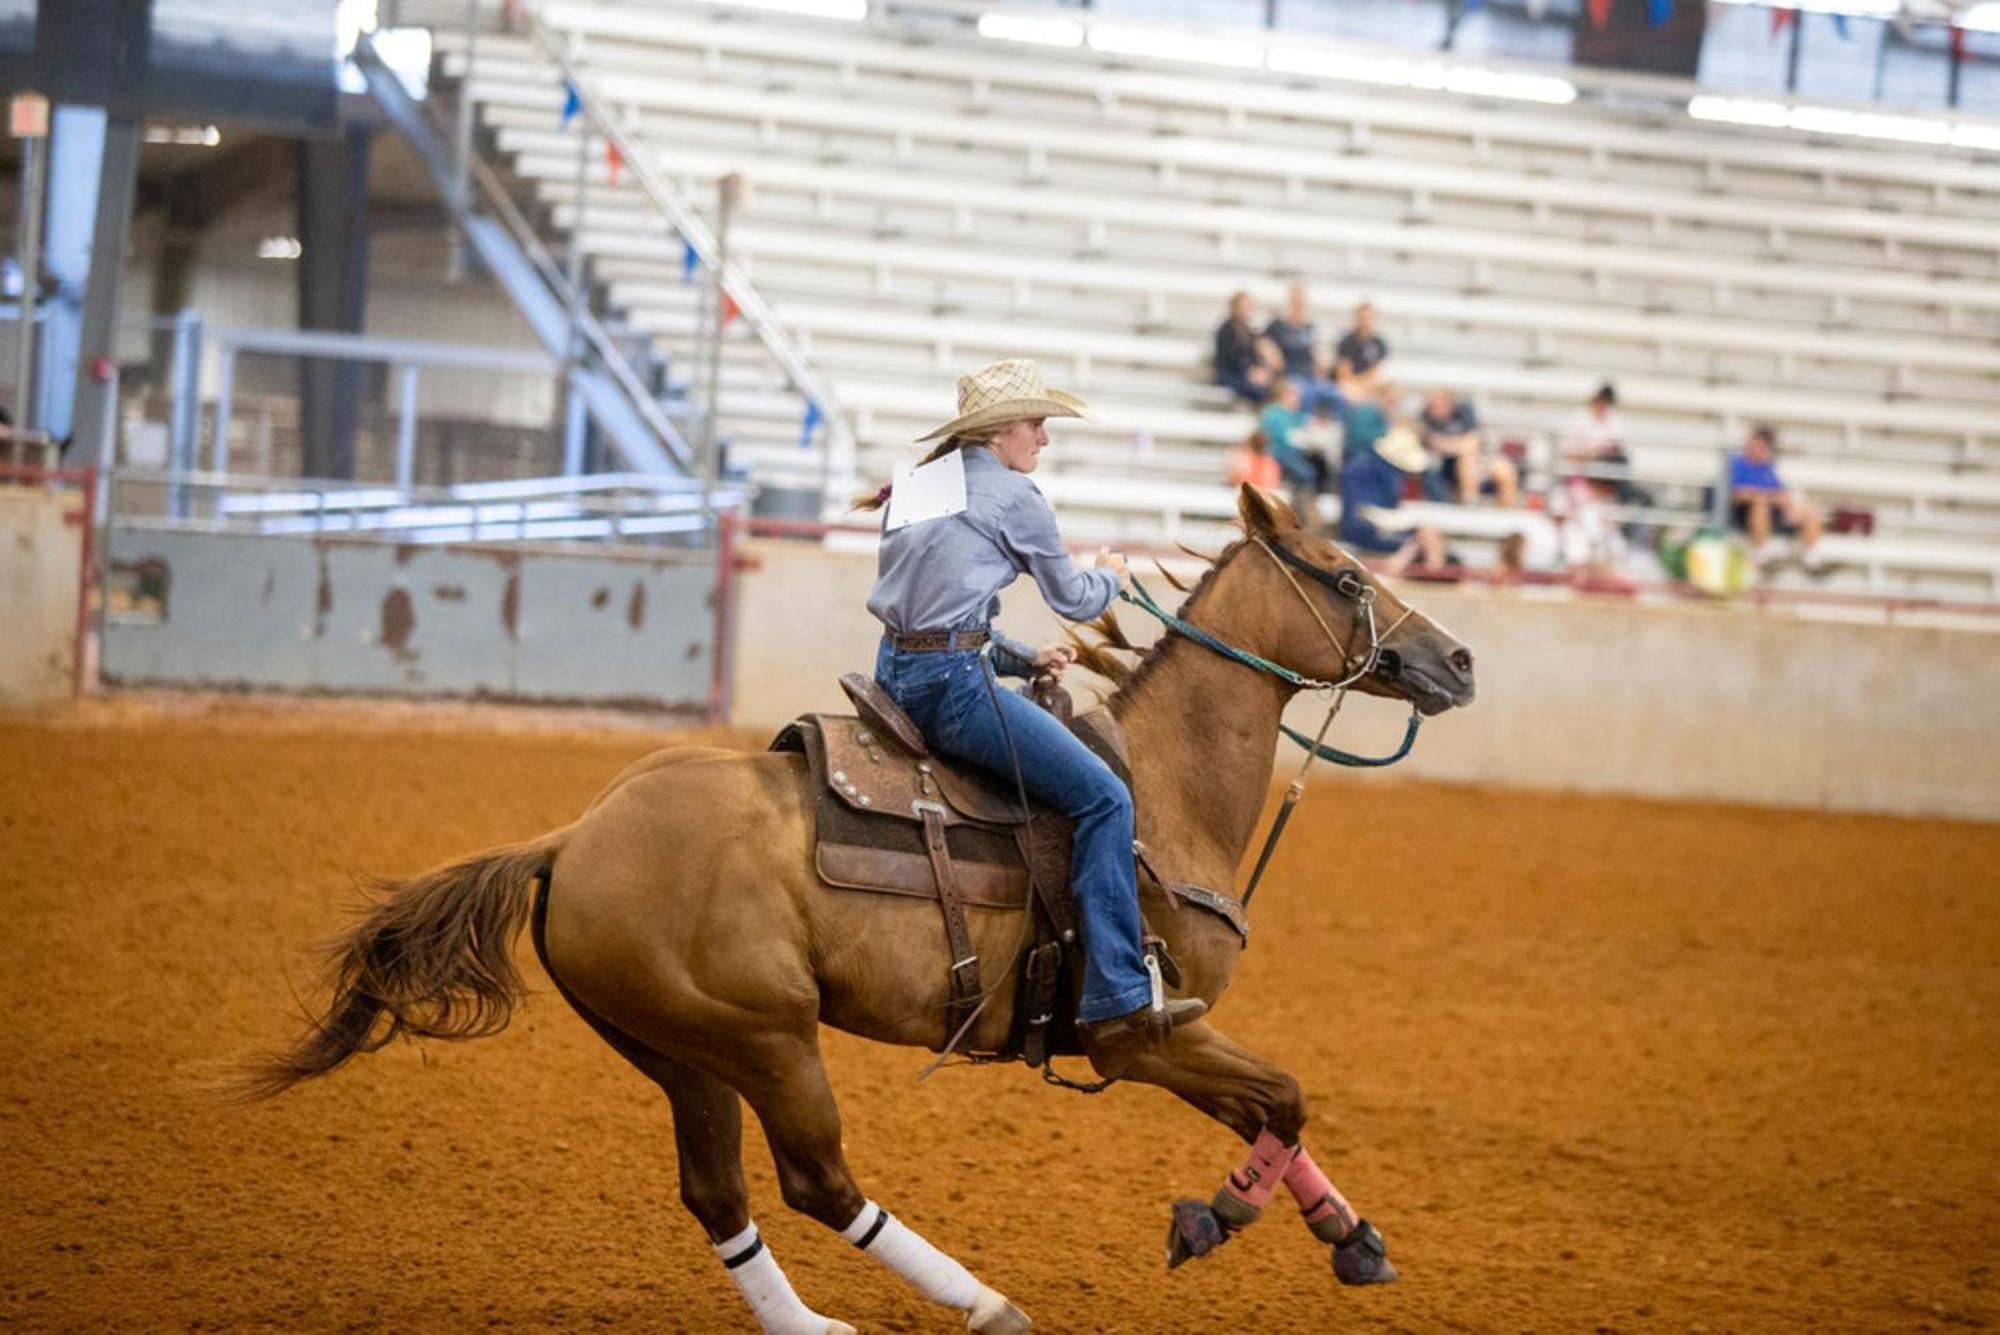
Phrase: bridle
pixel 1345 583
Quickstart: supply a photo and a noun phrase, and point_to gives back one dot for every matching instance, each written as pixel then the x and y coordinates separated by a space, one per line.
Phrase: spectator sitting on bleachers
pixel 1759 504
pixel 1371 486
pixel 1303 469
pixel 1594 437
pixel 1294 338
pixel 1242 361
pixel 1251 462
pixel 1452 434
pixel 1367 420
pixel 1359 355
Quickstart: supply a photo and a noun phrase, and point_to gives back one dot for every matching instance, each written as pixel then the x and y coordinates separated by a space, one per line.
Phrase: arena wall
pixel 1717 703
pixel 41 552
pixel 241 611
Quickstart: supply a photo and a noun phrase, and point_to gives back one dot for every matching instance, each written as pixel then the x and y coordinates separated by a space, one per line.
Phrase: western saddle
pixel 894 818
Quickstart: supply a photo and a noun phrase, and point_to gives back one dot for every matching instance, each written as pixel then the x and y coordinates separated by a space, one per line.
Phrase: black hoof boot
pixel 1362 1257
pixel 1194 1232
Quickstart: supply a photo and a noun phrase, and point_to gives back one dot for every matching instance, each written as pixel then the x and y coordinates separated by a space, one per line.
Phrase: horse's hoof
pixel 1362 1257
pixel 1194 1232
pixel 992 1314
pixel 840 1328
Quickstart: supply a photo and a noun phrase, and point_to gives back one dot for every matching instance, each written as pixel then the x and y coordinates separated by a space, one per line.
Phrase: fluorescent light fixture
pixel 407 53
pixel 1860 9
pixel 1738 111
pixel 1841 121
pixel 1870 125
pixel 852 11
pixel 279 248
pixel 1121 39
pixel 199 136
pixel 1468 80
pixel 1980 18
pixel 1029 28
pixel 1976 136
pixel 1473 81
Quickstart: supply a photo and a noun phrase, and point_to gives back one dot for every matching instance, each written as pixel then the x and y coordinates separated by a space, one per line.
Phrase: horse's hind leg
pixel 708 1138
pixel 802 1122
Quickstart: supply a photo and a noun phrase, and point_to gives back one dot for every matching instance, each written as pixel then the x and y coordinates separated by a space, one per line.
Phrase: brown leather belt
pixel 939 641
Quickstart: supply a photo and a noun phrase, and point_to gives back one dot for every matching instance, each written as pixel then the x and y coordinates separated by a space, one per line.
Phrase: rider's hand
pixel 1108 559
pixel 1053 658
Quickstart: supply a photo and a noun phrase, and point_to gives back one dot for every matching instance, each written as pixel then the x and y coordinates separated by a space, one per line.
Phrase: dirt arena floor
pixel 1590 1064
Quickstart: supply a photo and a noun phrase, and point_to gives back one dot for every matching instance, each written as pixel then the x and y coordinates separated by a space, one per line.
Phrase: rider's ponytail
pixel 875 500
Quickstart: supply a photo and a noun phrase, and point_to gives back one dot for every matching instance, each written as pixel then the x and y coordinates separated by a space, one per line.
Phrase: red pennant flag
pixel 1600 13
pixel 730 310
pixel 1781 19
pixel 614 161
pixel 1957 44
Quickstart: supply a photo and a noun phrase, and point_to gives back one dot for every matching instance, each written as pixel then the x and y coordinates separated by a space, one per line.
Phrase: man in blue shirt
pixel 1371 488
pixel 1759 504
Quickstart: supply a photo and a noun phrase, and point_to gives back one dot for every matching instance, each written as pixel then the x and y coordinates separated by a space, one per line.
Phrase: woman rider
pixel 936 592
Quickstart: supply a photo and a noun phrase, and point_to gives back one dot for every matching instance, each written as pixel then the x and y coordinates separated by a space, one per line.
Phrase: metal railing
pixel 596 508
pixel 388 90
pixel 687 223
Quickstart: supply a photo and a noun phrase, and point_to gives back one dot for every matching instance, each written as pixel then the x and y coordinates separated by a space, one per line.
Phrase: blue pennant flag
pixel 689 259
pixel 1840 25
pixel 1471 5
pixel 1658 12
pixel 572 101
pixel 813 418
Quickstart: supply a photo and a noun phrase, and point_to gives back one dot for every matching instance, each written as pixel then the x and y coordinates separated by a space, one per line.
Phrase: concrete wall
pixel 304 614
pixel 40 557
pixel 1722 703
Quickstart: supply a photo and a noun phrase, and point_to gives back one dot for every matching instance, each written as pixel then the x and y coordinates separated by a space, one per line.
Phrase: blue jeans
pixel 946 694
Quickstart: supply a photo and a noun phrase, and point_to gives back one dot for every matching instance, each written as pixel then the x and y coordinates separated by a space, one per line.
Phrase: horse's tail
pixel 433 958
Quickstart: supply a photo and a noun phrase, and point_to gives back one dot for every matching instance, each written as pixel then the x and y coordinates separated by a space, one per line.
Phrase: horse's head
pixel 1326 616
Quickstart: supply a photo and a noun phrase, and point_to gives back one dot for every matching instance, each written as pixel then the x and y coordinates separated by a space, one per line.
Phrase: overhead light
pixel 1976 136
pixel 1434 75
pixel 1980 18
pixel 199 136
pixel 851 11
pixel 1859 9
pixel 1869 125
pixel 1841 121
pixel 1029 28
pixel 1121 39
pixel 1738 111
pixel 279 248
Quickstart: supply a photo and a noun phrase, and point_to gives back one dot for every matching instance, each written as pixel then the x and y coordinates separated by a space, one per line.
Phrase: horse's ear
pixel 1264 515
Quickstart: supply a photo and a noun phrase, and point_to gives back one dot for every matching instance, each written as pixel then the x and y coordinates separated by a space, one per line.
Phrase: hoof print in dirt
pixel 1194 1232
pixel 1362 1257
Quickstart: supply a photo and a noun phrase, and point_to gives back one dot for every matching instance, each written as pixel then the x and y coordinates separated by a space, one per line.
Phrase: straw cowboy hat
pixel 1004 392
pixel 1400 446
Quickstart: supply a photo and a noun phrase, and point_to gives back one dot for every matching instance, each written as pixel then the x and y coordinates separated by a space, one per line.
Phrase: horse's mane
pixel 1107 639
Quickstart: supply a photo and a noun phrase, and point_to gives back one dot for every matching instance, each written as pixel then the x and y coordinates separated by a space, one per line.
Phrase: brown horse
pixel 683 919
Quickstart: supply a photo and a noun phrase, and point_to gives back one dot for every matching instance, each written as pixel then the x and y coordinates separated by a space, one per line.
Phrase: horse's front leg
pixel 1262 1104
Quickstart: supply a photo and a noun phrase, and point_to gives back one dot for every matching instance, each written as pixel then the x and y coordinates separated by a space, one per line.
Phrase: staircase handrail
pixel 695 233
pixel 383 82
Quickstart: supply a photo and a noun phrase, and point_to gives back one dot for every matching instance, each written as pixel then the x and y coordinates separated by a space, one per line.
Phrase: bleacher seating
pixel 923 203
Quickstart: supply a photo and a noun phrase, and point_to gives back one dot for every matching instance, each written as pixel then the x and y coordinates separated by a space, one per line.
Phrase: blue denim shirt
pixel 946 574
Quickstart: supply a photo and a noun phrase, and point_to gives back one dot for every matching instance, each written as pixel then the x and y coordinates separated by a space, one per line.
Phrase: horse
pixel 682 917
